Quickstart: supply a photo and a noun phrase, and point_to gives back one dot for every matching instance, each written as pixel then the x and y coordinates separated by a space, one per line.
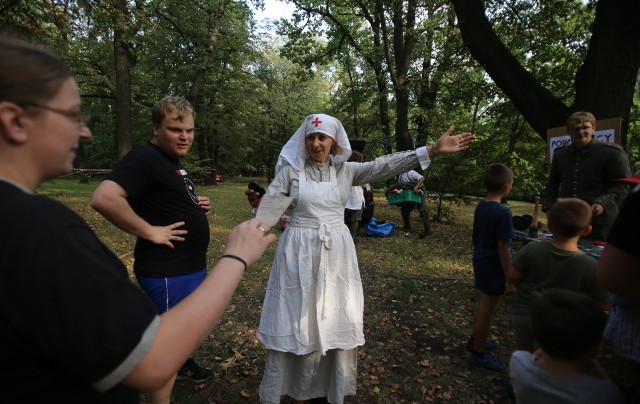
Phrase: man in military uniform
pixel 588 169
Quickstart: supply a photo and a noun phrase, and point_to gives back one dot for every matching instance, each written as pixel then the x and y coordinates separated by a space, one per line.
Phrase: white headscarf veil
pixel 295 151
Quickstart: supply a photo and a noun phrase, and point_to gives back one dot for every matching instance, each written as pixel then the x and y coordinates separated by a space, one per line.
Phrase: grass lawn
pixel 419 305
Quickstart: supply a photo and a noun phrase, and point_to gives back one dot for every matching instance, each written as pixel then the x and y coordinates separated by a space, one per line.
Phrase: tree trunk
pixel 430 82
pixel 383 107
pixel 403 140
pixel 124 61
pixel 605 82
pixel 196 90
pixel 403 41
pixel 194 98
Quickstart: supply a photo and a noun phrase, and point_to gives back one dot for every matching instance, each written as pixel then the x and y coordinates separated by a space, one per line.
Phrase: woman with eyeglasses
pixel 70 318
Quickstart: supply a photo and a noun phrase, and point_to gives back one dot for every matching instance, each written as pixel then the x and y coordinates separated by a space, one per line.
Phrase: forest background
pixel 396 73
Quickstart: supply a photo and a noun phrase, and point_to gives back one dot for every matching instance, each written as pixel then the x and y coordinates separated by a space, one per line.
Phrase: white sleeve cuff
pixel 423 157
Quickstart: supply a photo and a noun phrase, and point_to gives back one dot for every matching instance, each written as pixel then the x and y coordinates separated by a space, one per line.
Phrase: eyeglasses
pixel 578 128
pixel 79 117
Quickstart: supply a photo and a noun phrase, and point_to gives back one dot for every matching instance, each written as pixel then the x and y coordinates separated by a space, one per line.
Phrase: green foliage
pixel 254 89
pixel 548 38
pixel 633 135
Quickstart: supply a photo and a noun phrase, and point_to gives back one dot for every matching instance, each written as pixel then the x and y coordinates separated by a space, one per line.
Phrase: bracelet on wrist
pixel 235 257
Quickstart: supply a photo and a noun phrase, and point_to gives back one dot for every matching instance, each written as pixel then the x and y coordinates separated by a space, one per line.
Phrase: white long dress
pixel 314 300
pixel 312 316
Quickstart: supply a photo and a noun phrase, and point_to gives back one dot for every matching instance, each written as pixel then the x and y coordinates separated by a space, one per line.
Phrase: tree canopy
pixel 396 73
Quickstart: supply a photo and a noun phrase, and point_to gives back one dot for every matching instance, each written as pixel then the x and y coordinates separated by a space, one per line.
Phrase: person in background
pixel 619 273
pixel 492 235
pixel 149 194
pixel 588 169
pixel 416 182
pixel 568 326
pixel 69 316
pixel 369 205
pixel 355 203
pixel 559 264
pixel 312 316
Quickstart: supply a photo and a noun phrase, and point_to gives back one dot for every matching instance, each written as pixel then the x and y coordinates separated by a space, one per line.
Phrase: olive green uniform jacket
pixel 589 173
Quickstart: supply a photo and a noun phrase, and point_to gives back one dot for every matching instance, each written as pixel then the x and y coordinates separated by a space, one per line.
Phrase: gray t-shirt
pixel 533 385
pixel 546 266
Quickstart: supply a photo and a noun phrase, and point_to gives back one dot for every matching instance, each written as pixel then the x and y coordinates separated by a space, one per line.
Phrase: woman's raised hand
pixel 448 144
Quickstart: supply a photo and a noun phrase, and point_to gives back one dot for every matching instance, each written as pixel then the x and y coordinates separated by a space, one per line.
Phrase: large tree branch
pixel 605 82
pixel 603 85
pixel 539 107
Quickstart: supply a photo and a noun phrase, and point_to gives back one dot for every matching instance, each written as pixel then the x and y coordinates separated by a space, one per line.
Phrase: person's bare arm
pixel 418 186
pixel 505 262
pixel 110 200
pixel 183 328
pixel 515 275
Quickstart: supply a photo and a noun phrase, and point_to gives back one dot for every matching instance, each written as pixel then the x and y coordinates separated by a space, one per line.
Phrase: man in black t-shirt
pixel 150 195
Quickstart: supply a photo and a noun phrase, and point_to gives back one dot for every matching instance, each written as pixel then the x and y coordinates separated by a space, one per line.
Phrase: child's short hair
pixel 580 117
pixel 356 156
pixel 569 216
pixel 496 175
pixel 567 325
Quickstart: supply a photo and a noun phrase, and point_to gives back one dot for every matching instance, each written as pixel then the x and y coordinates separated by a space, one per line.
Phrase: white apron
pixel 314 300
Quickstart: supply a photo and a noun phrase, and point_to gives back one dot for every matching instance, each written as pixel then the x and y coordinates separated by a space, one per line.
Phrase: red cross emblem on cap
pixel 316 122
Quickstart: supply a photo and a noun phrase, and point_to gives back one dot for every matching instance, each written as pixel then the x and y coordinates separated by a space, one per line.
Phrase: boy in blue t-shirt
pixel 492 235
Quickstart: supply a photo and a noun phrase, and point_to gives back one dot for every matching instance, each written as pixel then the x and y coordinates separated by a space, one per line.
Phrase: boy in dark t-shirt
pixel 492 235
pixel 557 264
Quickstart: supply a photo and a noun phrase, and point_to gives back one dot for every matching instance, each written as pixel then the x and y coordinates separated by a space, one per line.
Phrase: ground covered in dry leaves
pixel 419 305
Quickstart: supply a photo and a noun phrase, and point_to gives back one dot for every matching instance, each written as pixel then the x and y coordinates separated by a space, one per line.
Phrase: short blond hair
pixel 170 104
pixel 580 117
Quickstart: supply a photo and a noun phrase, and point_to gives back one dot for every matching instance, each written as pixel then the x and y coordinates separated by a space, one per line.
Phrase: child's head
pixel 567 325
pixel 356 156
pixel 569 217
pixel 496 176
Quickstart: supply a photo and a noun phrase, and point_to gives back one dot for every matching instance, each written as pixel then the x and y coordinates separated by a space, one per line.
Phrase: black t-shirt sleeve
pixel 77 306
pixel 135 172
